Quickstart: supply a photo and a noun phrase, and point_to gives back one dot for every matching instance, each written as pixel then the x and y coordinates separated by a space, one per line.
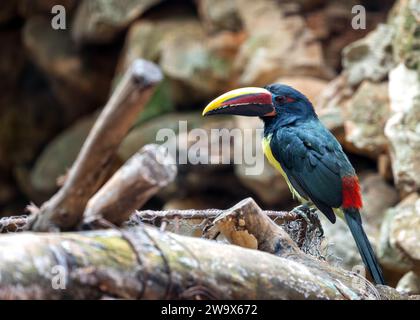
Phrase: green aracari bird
pixel 308 156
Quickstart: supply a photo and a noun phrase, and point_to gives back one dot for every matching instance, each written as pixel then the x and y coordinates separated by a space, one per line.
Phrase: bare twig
pixel 65 209
pixel 131 186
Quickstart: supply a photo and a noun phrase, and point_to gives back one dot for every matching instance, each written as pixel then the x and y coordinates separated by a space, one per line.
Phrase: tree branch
pixel 131 186
pixel 65 209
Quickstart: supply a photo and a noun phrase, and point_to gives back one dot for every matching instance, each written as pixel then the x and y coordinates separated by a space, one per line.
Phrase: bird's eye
pixel 284 99
pixel 281 99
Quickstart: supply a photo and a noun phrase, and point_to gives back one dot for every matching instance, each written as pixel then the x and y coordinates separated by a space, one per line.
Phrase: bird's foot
pixel 310 216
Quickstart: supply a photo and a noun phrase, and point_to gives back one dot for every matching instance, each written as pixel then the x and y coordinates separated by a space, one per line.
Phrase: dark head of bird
pixel 276 104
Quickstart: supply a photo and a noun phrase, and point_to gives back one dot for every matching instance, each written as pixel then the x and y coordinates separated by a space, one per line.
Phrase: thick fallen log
pixel 65 209
pixel 143 262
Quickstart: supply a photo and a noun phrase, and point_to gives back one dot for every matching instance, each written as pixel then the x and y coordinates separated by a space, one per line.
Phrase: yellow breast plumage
pixel 269 154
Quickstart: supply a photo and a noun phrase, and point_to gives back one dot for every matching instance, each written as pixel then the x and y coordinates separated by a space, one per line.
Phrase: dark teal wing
pixel 313 160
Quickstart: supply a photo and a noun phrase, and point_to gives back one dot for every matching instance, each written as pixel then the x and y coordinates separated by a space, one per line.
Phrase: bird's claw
pixel 309 214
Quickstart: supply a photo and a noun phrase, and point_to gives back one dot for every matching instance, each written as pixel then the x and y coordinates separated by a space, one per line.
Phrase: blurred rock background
pixel 365 85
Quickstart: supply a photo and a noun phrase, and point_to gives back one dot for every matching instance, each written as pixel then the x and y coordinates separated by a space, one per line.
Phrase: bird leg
pixel 309 214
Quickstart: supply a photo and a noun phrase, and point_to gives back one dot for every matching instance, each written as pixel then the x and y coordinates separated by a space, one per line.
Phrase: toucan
pixel 308 156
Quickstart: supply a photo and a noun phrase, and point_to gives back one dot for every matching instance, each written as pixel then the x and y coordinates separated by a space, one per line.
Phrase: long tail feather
pixel 354 222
